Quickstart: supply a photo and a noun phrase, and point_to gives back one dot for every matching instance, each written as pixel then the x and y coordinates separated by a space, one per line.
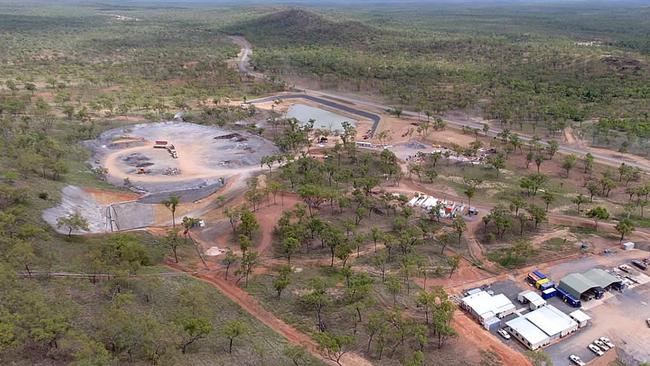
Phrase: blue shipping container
pixel 547 294
pixel 539 274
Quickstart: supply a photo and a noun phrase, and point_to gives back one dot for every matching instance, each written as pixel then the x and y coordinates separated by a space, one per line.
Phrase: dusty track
pixel 214 277
pixel 472 332
pixel 603 156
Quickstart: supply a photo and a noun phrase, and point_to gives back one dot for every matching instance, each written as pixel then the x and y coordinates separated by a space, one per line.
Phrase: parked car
pixel 606 340
pixel 503 333
pixel 595 349
pixel 577 360
pixel 601 345
pixel 648 322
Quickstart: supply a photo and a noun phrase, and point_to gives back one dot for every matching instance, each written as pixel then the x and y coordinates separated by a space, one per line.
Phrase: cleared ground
pixel 206 157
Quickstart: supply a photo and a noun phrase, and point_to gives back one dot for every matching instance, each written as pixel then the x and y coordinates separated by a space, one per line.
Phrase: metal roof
pixel 600 277
pixel 578 283
pixel 483 303
pixel 551 320
pixel 580 316
pixel 527 330
pixel 534 298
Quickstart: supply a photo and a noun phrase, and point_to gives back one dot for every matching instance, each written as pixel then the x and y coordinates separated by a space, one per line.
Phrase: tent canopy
pixel 577 283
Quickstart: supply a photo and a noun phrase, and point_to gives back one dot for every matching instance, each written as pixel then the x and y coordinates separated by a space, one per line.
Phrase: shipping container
pixel 539 274
pixel 547 285
pixel 547 294
pixel 533 278
pixel 541 282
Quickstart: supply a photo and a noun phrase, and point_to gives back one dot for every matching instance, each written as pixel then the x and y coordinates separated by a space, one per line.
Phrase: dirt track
pixel 454 119
pixel 214 276
pixel 469 330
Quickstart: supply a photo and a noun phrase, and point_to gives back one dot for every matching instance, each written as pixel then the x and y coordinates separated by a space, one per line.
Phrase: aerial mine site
pixel 422 183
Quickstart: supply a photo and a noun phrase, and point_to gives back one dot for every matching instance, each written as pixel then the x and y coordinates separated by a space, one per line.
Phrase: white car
pixel 577 360
pixel 601 345
pixel 606 340
pixel 503 333
pixel 595 349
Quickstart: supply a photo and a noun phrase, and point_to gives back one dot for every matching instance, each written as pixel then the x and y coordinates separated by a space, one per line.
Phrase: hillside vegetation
pixel 536 70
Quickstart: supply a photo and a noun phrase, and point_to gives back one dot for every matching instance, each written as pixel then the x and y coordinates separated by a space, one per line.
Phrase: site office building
pixel 488 309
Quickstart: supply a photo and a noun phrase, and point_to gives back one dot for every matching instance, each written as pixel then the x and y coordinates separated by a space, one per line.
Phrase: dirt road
pixel 602 156
pixel 214 277
pixel 473 333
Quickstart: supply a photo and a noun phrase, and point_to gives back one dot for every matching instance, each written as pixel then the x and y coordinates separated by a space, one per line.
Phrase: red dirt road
pixel 472 333
pixel 254 308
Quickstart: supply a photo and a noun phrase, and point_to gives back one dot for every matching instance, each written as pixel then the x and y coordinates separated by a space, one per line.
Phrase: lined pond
pixel 323 119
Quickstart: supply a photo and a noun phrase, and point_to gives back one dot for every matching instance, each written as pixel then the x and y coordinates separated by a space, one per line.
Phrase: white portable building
pixel 580 317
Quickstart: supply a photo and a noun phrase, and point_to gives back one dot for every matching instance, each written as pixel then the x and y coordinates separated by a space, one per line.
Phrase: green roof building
pixel 577 284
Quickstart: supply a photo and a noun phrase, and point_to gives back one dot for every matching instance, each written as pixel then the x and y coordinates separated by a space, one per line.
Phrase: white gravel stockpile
pixel 73 200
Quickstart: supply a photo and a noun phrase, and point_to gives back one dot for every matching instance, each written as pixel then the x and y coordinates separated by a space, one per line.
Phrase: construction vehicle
pixel 160 144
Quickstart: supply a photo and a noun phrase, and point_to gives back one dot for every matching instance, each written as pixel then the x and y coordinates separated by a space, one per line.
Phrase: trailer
pixel 568 298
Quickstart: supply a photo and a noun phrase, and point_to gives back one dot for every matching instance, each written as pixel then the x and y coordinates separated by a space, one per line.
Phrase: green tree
pixel 548 197
pixel 453 262
pixel 569 163
pixel 375 234
pixel 228 260
pixel 283 280
pixel 195 328
pixel 459 226
pixel 249 261
pixel 579 200
pixel 73 221
pixel 394 287
pixel 333 346
pixel 297 354
pixel 172 241
pixel 317 299
pixel 289 246
pixel 248 224
pixel 598 214
pixel 539 159
pixel 469 192
pixel 588 163
pixel 624 227
pixel 172 204
pixel 552 148
pixel 233 329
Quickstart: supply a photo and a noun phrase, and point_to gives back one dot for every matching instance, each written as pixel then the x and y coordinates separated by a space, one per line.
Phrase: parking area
pixel 619 316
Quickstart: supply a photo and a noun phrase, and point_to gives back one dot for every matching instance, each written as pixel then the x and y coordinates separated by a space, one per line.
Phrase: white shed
pixel 628 246
pixel 581 317
pixel 531 298
pixel 486 308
